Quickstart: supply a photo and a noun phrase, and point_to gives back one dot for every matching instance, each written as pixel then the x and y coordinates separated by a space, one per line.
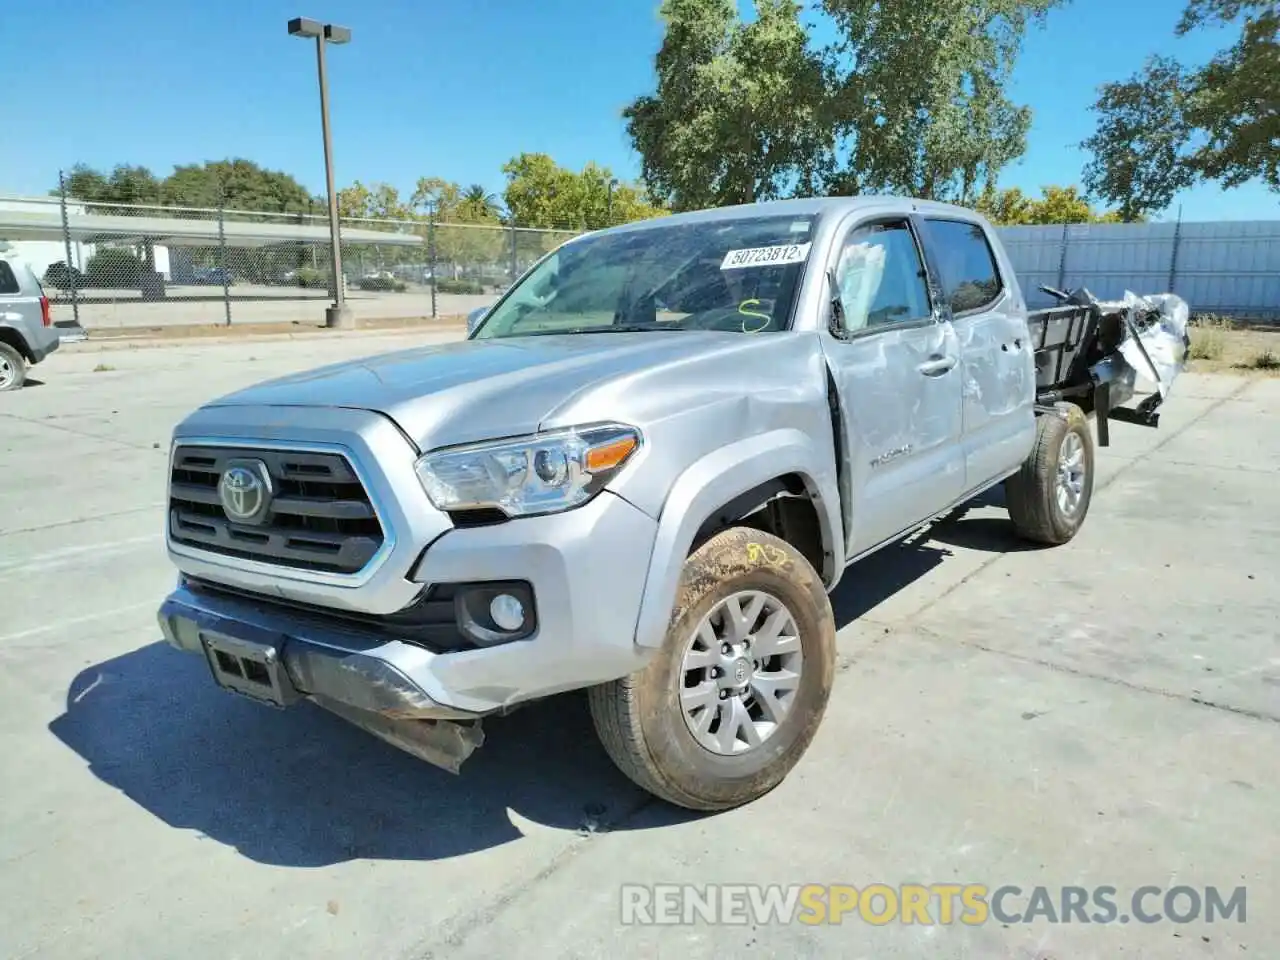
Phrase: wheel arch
pixel 14 338
pixel 778 481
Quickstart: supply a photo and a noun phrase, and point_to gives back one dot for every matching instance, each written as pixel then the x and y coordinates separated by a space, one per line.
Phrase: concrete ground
pixel 1104 713
pixel 107 310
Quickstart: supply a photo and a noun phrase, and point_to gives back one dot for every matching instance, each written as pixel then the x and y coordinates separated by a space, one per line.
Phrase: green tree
pixel 1169 126
pixel 918 93
pixel 238 184
pixel 1055 204
pixel 542 194
pixel 909 98
pixel 376 201
pixel 1007 208
pixel 125 184
pixel 437 196
pixel 478 204
pixel 737 113
pixel 1140 147
pixel 1235 98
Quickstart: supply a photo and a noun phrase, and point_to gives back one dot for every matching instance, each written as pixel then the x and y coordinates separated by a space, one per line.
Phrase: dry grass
pixel 1219 345
pixel 1209 337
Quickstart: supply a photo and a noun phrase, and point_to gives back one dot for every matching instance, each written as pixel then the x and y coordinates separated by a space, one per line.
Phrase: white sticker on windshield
pixel 766 256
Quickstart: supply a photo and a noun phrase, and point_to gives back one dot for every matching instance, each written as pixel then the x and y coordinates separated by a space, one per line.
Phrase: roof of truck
pixel 805 206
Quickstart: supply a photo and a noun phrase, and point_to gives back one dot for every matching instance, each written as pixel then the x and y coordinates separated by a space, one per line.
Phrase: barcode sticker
pixel 766 256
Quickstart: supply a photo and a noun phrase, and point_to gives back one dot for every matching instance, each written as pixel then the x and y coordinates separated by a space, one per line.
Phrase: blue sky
pixel 451 89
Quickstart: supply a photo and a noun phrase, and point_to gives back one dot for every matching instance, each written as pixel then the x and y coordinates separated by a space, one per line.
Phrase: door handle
pixel 936 366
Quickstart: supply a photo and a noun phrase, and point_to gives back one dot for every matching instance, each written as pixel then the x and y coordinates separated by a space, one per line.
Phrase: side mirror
pixel 474 318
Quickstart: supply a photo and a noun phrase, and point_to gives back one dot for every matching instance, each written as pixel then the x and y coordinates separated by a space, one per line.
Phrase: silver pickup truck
pixel 641 474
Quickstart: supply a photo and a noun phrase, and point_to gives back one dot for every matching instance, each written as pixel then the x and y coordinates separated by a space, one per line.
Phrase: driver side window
pixel 880 277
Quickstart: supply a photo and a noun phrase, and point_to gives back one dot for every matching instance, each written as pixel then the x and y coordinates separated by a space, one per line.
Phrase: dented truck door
pixel 895 361
pixel 997 357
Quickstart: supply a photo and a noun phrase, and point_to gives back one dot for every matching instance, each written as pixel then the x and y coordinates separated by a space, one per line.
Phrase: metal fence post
pixel 1173 254
pixel 1062 259
pixel 66 244
pixel 513 253
pixel 222 257
pixel 431 257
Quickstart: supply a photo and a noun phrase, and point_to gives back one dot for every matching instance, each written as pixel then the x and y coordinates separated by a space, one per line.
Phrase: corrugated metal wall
pixel 1227 267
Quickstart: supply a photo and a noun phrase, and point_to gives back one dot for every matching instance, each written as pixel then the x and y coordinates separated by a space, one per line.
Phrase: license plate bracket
pixel 251 668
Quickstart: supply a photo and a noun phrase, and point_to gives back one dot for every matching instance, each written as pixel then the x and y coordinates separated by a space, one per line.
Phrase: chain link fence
pixel 112 265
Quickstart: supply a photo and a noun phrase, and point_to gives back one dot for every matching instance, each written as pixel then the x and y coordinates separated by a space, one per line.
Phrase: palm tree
pixel 480 203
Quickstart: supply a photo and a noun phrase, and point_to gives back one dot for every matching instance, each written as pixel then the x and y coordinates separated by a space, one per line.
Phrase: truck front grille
pixel 318 517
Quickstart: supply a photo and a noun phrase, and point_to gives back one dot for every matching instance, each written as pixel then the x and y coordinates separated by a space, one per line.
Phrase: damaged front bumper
pixel 275 660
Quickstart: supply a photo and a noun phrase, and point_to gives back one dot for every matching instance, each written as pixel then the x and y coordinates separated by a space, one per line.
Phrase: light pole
pixel 338 315
pixel 613 182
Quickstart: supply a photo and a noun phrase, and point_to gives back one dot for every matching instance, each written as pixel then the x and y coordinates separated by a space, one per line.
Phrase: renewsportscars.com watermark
pixel 926 904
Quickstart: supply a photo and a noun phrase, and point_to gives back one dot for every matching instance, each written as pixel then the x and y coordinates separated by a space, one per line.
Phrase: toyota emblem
pixel 245 491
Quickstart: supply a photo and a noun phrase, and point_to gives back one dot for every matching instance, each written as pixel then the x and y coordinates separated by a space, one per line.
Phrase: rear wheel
pixel 1049 496
pixel 13 368
pixel 733 699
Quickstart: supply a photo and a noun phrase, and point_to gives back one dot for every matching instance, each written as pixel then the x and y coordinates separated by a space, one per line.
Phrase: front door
pixel 895 360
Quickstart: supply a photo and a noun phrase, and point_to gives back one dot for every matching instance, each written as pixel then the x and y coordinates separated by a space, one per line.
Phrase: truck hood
pixel 472 390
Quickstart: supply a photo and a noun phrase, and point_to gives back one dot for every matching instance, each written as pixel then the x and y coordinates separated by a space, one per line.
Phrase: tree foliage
pixel 1169 126
pixel 737 114
pixel 909 98
pixel 1139 150
pixel 236 183
pixel 918 93
pixel 1236 97
pixel 541 193
pixel 124 184
pixel 1056 204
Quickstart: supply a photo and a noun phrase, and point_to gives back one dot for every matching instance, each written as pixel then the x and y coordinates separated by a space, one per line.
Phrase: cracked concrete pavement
pixel 1104 713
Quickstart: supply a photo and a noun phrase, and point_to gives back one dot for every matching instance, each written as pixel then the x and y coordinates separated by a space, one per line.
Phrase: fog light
pixel 507 612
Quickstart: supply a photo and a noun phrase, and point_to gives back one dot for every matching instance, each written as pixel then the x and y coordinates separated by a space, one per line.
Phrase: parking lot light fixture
pixel 338 315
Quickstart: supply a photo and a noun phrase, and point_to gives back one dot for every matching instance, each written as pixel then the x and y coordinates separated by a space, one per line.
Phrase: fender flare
pixel 715 480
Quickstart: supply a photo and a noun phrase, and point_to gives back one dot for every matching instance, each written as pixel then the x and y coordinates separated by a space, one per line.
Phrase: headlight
pixel 531 475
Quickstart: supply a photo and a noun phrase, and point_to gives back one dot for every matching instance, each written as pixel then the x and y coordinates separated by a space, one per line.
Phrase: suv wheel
pixel 733 699
pixel 13 368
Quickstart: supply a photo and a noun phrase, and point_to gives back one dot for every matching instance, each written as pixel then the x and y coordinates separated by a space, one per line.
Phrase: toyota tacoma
pixel 641 474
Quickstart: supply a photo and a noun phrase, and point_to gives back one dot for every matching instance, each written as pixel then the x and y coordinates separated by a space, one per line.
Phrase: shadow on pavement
pixel 899 565
pixel 302 788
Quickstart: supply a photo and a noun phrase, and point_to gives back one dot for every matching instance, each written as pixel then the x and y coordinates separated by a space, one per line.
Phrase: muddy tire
pixel 732 700
pixel 1049 496
pixel 13 368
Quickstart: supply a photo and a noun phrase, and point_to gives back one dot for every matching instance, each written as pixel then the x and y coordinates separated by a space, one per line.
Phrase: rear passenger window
pixel 881 278
pixel 8 282
pixel 970 278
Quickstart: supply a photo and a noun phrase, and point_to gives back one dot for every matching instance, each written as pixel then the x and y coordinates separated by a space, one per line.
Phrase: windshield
pixel 737 275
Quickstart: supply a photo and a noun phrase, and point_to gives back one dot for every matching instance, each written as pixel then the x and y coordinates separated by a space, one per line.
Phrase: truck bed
pixel 1089 352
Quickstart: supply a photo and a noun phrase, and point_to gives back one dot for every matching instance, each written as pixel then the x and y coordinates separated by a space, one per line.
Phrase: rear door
pixel 895 360
pixel 997 358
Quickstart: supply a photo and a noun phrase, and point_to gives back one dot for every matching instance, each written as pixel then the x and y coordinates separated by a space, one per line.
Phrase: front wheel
pixel 1049 496
pixel 732 700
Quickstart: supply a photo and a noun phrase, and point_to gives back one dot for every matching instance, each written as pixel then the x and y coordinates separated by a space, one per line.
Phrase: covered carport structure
pixel 220 232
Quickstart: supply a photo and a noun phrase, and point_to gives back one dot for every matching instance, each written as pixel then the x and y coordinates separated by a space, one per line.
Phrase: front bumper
pixel 587 569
